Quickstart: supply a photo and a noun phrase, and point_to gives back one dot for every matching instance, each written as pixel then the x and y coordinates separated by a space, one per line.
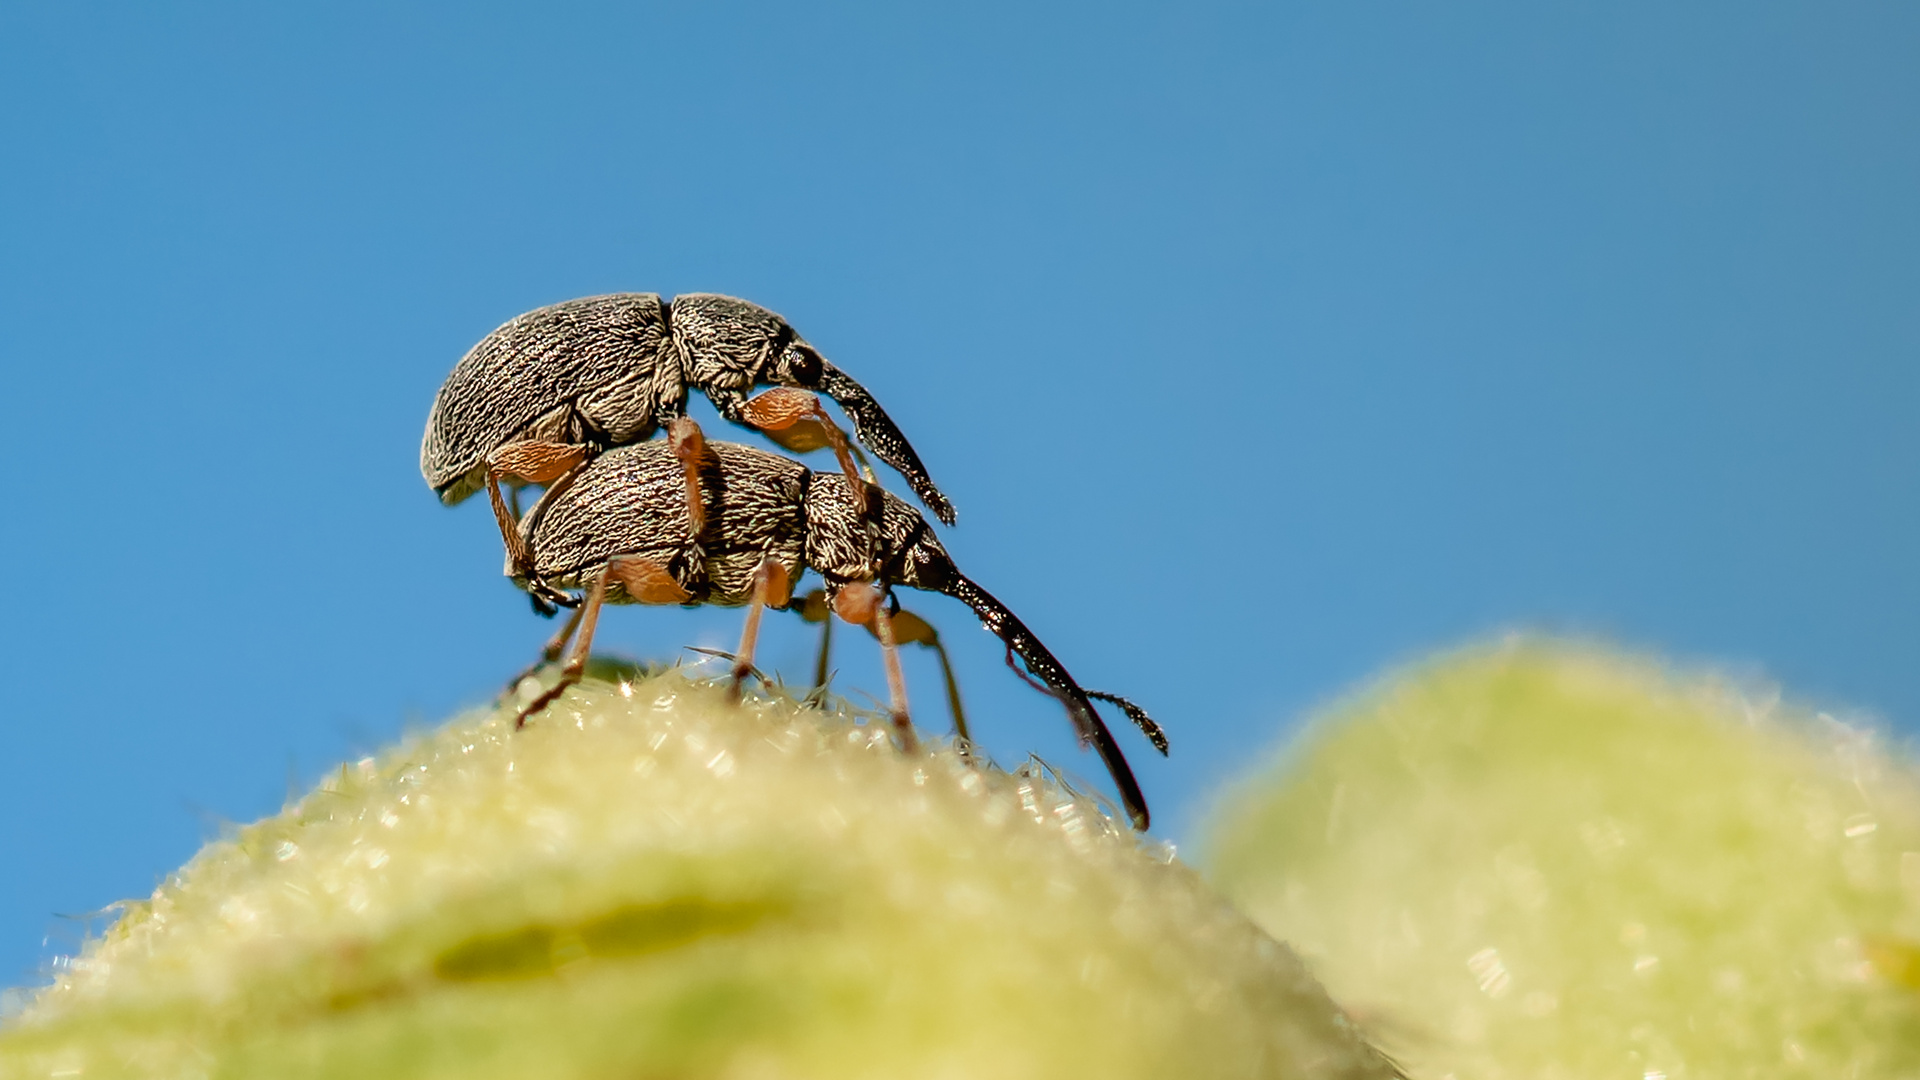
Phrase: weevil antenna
pixel 1147 725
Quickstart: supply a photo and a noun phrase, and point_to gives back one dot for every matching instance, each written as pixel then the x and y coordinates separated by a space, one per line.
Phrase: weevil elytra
pixel 620 528
pixel 541 395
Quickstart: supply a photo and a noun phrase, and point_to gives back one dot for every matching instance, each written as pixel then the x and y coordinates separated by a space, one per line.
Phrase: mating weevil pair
pixel 566 396
pixel 541 395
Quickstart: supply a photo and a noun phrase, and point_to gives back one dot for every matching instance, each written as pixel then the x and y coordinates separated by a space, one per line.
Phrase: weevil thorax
pixel 843 544
pixel 726 343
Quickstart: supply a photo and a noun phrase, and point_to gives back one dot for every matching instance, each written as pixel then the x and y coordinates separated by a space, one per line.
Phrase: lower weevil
pixel 621 529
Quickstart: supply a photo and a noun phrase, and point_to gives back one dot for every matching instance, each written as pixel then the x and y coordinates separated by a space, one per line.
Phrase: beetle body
pixel 628 506
pixel 605 371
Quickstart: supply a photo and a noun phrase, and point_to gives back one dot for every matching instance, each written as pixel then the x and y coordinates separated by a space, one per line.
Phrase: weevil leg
pixel 824 656
pixel 589 617
pixel 911 629
pixel 960 727
pixel 896 679
pixel 553 650
pixel 779 408
pixel 643 580
pixel 782 407
pixel 517 552
pixel 813 607
pixel 803 437
pixel 771 588
pixel 908 629
pixel 689 445
pixel 535 463
pixel 931 640
pixel 864 605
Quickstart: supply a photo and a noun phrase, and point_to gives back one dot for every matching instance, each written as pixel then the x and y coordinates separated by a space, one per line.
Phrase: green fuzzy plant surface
pixel 1549 861
pixel 650 882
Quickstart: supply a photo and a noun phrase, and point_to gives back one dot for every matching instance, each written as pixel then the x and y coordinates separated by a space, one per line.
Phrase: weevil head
pixel 797 364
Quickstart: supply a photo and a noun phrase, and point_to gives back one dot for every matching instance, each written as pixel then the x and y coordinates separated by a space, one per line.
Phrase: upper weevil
pixel 551 389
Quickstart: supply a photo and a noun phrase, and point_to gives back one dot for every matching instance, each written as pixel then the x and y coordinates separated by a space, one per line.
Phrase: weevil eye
pixel 802 364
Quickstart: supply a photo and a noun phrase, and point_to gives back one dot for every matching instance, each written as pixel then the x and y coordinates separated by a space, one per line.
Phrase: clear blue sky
pixel 1260 348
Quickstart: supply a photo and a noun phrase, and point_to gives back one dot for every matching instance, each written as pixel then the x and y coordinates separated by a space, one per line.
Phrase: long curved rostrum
pixel 872 426
pixel 1086 721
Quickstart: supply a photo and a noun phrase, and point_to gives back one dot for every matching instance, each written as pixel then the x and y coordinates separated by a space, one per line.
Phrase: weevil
pixel 620 529
pixel 541 395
